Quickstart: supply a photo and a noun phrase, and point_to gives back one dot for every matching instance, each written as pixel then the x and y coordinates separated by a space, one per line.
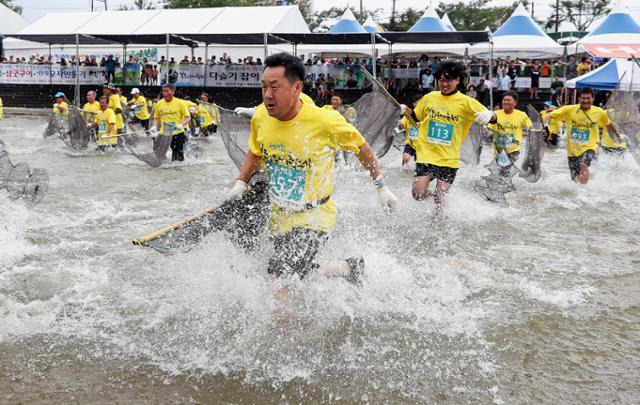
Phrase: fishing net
pixel 242 220
pixel 472 145
pixel 20 181
pixel 77 135
pixel 498 183
pixel 376 120
pixel 56 125
pixel 534 148
pixel 234 130
pixel 148 148
pixel 623 109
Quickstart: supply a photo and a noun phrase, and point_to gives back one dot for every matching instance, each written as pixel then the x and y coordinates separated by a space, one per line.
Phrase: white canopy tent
pixel 220 20
pixel 12 22
pixel 520 37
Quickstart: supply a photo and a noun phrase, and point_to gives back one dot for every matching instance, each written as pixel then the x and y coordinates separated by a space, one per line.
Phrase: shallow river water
pixel 535 303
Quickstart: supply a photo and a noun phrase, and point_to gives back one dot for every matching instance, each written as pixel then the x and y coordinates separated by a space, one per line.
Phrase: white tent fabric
pixel 371 26
pixel 447 22
pixel 429 22
pixel 618 35
pixel 520 37
pixel 12 22
pixel 347 24
pixel 617 74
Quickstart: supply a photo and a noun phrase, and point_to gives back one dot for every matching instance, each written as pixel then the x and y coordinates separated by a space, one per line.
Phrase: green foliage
pixel 14 7
pixel 404 20
pixel 581 13
pixel 314 20
pixel 475 15
pixel 138 5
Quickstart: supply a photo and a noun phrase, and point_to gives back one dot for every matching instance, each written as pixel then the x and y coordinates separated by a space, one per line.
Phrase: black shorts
pixel 408 149
pixel 295 252
pixel 574 163
pixel 446 174
pixel 143 123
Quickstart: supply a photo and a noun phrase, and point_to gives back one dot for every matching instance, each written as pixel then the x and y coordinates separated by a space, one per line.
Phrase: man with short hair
pixel 60 107
pixel 140 109
pixel 445 117
pixel 171 116
pixel 348 112
pixel 91 107
pixel 105 125
pixel 582 122
pixel 507 130
pixel 109 90
pixel 296 143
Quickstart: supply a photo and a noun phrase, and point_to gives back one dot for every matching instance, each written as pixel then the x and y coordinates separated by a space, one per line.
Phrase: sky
pixel 34 9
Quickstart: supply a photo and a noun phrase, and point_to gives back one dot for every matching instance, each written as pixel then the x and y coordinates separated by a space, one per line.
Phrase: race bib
pixel 580 135
pixel 102 127
pixel 505 140
pixel 136 108
pixel 413 133
pixel 440 133
pixel 286 184
pixel 169 127
pixel 201 120
pixel 503 159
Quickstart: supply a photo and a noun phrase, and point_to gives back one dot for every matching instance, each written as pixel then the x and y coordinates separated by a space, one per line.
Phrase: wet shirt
pixel 171 113
pixel 103 119
pixel 444 123
pixel 349 113
pixel 90 110
pixel 298 156
pixel 508 130
pixel 61 109
pixel 140 108
pixel 583 127
pixel 554 123
pixel 204 116
pixel 114 104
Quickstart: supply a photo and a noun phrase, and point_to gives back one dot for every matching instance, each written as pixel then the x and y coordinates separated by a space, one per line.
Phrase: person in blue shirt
pixel 111 69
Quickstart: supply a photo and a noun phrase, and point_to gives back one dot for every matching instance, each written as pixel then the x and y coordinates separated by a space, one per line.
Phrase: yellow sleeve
pixel 604 120
pixel 97 118
pixel 111 117
pixel 473 106
pixel 185 112
pixel 526 121
pixel 420 109
pixel 344 136
pixel 156 113
pixel 254 147
pixel 560 113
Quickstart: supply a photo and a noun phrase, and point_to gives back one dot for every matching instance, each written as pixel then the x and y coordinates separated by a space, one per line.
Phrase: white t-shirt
pixel 427 80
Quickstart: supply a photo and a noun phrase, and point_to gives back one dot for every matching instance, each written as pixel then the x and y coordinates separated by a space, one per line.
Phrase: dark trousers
pixel 177 147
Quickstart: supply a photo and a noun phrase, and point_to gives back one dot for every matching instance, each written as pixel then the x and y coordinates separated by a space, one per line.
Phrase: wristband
pixel 379 182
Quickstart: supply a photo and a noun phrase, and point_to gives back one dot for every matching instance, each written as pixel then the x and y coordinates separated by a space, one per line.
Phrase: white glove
pixel 247 112
pixel 403 109
pixel 179 127
pixel 55 105
pixel 483 117
pixel 388 201
pixel 193 110
pixel 238 190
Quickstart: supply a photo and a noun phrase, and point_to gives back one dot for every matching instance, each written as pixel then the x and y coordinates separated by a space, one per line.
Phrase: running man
pixel 583 122
pixel 411 134
pixel 296 143
pixel 114 103
pixel 140 109
pixel 171 116
pixel 445 117
pixel 60 107
pixel 348 112
pixel 208 116
pixel 105 124
pixel 553 129
pixel 507 131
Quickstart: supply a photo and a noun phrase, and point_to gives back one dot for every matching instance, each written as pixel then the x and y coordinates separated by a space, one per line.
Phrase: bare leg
pixel 584 174
pixel 420 189
pixel 336 268
pixel 442 188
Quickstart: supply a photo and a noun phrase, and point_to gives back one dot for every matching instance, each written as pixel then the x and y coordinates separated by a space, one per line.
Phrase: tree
pixel 138 5
pixel 581 13
pixel 476 16
pixel 404 20
pixel 10 5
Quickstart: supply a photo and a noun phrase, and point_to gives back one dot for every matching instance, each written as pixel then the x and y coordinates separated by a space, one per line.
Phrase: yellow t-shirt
pixel 204 116
pixel 189 103
pixel 582 127
pixel 444 123
pixel 171 113
pixel 114 104
pixel 508 130
pixel 103 119
pixel 411 132
pixel 123 100
pixel 1 110
pixel 349 113
pixel 140 108
pixel 299 157
pixel 90 110
pixel 62 109
pixel 583 68
pixel 554 123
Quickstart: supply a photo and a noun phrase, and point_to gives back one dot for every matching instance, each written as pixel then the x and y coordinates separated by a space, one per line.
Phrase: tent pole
pixel 206 62
pixel 266 45
pixel 373 55
pixel 50 64
pixel 491 71
pixel 76 96
pixel 124 63
pixel 166 73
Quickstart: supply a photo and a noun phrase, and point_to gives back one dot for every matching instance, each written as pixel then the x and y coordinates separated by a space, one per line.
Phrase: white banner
pixel 213 76
pixel 45 74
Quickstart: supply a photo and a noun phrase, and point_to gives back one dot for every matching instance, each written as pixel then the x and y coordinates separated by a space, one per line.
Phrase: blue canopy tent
pixel 617 36
pixel 429 22
pixel 347 24
pixel 617 74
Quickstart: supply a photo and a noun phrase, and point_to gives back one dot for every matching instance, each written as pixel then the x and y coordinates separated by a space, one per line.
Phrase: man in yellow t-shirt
pixel 60 108
pixel 583 122
pixel 140 109
pixel 411 134
pixel 553 129
pixel 445 117
pixel 105 124
pixel 114 103
pixel 208 116
pixel 296 142
pixel 249 111
pixel 507 131
pixel 583 67
pixel 91 107
pixel 348 112
pixel 171 117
